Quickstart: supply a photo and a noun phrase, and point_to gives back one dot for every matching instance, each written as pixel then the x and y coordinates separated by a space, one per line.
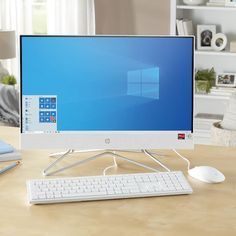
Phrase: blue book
pixel 5 147
pixel 10 156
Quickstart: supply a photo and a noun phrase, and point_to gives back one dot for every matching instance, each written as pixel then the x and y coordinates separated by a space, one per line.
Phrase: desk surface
pixel 210 210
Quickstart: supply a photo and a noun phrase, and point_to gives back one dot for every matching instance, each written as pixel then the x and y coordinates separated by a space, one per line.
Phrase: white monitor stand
pixel 112 153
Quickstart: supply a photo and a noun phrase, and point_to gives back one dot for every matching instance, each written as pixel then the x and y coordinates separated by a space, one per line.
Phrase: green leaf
pixel 9 80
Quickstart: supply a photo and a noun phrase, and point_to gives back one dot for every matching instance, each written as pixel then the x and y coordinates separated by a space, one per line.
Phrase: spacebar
pixel 74 195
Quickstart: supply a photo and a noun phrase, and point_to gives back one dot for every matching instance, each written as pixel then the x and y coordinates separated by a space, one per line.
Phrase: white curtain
pixel 76 17
pixel 15 15
pixel 73 17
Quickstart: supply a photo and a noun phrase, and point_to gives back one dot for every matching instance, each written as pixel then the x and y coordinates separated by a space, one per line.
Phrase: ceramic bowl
pixel 222 137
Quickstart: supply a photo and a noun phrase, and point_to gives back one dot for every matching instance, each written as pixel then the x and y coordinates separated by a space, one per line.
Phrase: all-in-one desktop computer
pixel 111 93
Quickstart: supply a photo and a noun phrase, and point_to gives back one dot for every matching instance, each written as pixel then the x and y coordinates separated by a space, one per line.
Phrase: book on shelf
pixel 219 88
pixel 184 27
pixel 204 121
pixel 219 3
pixel 209 4
pixel 180 28
pixel 209 116
pixel 188 27
pixel 222 91
pixel 233 46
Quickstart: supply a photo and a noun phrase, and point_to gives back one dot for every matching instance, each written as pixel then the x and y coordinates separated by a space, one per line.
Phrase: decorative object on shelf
pixel 229 120
pixel 216 3
pixel 205 33
pixel 204 80
pixel 230 3
pixel 194 2
pixel 219 42
pixel 224 133
pixel 222 137
pixel 233 46
pixel 8 48
pixel 9 80
pixel 226 80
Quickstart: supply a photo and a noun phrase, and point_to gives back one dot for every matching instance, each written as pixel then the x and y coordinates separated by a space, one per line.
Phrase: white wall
pixel 147 17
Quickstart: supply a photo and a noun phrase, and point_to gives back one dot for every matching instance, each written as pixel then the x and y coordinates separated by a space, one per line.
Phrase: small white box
pixel 233 46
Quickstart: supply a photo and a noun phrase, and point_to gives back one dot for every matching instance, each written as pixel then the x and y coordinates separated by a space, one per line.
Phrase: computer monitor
pixel 107 92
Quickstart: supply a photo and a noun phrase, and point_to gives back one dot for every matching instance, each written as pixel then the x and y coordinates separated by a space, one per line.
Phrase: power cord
pixel 184 158
pixel 109 167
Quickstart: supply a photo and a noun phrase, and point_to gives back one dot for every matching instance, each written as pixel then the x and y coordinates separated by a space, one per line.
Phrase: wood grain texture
pixel 210 210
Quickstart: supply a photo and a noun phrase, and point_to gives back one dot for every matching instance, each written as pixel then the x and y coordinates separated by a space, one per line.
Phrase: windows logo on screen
pixel 143 83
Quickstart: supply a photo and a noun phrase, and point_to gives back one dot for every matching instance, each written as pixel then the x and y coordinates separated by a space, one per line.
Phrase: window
pixel 34 16
pixel 39 16
pixel 144 83
pixel 56 16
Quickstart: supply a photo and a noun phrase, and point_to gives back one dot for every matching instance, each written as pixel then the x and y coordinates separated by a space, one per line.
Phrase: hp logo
pixel 107 140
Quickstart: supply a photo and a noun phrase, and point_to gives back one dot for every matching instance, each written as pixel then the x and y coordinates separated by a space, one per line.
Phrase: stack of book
pixel 216 3
pixel 203 124
pixel 184 27
pixel 222 91
pixel 204 121
pixel 8 153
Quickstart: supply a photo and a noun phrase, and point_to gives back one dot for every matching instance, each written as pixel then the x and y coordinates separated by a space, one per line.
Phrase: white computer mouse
pixel 206 174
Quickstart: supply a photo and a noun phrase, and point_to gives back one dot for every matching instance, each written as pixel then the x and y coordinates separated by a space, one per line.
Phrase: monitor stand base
pixel 113 153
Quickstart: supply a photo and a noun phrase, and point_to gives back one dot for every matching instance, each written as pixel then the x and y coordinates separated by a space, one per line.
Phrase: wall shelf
pixel 208 8
pixel 211 96
pixel 214 53
pixel 225 61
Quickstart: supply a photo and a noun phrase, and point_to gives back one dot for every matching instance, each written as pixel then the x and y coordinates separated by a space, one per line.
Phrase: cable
pixel 109 167
pixel 184 158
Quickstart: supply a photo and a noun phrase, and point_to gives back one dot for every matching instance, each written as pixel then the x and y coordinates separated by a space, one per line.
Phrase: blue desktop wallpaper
pixel 112 83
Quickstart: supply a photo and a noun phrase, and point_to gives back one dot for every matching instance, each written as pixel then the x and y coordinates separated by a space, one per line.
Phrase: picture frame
pixel 226 80
pixel 230 3
pixel 205 34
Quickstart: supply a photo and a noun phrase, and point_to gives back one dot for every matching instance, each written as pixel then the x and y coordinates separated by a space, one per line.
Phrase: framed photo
pixel 226 80
pixel 230 3
pixel 205 34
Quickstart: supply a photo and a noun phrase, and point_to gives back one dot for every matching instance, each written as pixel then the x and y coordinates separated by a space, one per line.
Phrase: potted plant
pixel 9 80
pixel 204 80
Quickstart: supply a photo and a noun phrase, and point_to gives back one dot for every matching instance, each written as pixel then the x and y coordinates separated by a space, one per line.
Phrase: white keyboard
pixel 44 191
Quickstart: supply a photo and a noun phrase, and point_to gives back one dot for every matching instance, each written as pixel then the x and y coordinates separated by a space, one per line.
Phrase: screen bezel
pixel 28 140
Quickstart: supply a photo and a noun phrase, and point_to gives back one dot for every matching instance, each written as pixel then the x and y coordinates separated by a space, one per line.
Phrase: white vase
pixel 229 121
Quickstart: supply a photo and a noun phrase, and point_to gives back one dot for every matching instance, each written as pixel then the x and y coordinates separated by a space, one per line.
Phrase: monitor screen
pixel 86 84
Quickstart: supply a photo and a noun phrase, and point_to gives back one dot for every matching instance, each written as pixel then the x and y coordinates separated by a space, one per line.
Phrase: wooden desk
pixel 211 210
